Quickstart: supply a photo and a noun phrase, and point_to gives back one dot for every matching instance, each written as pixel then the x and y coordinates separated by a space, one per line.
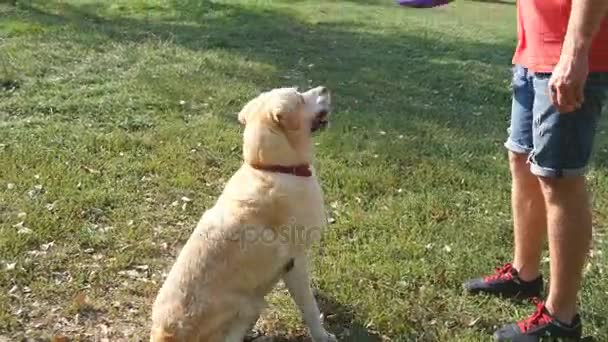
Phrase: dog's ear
pixel 285 110
pixel 247 110
pixel 288 120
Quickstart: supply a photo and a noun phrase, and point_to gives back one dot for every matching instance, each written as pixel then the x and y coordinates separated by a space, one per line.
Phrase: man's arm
pixel 568 81
pixel 585 20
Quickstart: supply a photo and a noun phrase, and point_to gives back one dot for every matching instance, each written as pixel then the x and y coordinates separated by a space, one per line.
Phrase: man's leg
pixel 569 221
pixel 529 218
pixel 562 149
pixel 522 278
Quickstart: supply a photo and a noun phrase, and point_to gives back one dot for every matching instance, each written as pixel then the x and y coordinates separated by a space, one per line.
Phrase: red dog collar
pixel 298 170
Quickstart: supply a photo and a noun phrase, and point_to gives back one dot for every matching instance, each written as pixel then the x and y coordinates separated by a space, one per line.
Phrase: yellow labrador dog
pixel 258 232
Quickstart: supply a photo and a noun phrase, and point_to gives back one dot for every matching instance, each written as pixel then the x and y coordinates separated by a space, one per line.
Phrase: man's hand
pixel 567 83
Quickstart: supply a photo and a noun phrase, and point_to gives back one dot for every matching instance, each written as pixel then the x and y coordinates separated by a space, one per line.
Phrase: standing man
pixel 559 86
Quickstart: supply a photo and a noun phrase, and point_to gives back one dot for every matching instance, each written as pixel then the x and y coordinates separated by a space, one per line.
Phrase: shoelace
pixel 504 272
pixel 539 317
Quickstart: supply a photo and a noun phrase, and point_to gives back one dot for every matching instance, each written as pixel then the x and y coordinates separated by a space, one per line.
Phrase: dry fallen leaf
pixel 36 254
pixel 46 246
pixel 105 330
pixel 59 339
pixel 50 206
pixel 81 301
pixel 90 170
pixel 105 229
pixel 10 186
pixel 22 229
pixel 131 274
pixel 473 322
pixel 35 191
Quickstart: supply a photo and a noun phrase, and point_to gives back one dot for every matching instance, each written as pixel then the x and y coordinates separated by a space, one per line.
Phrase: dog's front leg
pixel 297 281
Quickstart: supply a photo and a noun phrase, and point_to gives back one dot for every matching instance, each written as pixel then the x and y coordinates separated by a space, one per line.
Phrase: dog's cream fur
pixel 258 232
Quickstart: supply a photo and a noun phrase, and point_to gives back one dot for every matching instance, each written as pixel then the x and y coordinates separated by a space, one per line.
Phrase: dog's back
pixel 226 267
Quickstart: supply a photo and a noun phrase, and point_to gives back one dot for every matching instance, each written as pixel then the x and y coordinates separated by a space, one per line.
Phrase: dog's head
pixel 279 124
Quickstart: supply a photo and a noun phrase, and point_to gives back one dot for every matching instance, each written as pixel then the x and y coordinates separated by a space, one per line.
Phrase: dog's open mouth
pixel 320 121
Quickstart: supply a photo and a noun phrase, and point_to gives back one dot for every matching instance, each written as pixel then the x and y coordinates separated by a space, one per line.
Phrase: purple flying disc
pixel 423 3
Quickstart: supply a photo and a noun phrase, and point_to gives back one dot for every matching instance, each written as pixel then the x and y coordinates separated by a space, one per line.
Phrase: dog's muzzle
pixel 320 121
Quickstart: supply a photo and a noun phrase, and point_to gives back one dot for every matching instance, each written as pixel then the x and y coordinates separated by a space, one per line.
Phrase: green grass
pixel 112 111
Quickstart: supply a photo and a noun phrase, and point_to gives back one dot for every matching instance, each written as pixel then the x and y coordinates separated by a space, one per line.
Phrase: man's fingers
pixel 560 103
pixel 566 98
pixel 560 98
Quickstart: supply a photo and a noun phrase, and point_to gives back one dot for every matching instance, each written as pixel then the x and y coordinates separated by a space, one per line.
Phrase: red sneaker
pixel 505 282
pixel 541 326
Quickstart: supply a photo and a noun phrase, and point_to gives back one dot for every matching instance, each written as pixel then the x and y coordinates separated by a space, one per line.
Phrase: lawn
pixel 118 128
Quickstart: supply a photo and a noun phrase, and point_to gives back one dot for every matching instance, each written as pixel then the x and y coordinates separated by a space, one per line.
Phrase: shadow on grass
pixel 396 79
pixel 380 80
pixel 340 320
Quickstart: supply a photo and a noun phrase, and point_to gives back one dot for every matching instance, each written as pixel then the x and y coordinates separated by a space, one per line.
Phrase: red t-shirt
pixel 541 28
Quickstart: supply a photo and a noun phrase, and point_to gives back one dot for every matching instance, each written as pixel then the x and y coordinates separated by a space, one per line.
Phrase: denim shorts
pixel 557 144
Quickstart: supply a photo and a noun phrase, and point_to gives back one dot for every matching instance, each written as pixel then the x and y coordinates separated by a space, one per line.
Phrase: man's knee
pixel 518 163
pixel 558 189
